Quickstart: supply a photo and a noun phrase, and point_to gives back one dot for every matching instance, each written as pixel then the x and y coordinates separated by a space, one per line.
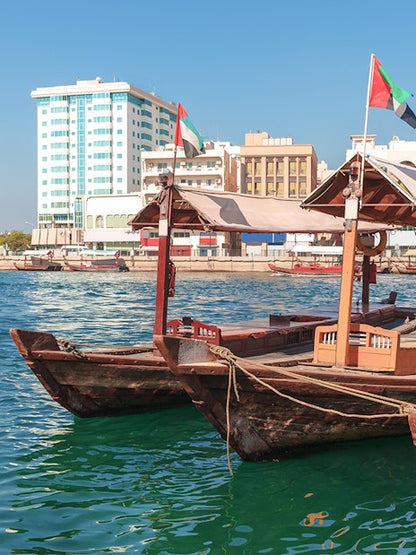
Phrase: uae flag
pixel 384 93
pixel 186 134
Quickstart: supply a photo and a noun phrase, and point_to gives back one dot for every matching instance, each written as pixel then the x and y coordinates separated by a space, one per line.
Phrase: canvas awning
pixel 225 211
pixel 389 192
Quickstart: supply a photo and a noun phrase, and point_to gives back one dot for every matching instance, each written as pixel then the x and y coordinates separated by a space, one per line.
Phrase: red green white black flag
pixel 186 134
pixel 384 93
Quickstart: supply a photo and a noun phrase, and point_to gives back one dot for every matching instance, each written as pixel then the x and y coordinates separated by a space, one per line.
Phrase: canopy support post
pixel 162 283
pixel 345 299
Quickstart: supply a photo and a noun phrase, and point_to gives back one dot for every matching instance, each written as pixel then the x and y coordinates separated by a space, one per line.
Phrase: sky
pixel 291 68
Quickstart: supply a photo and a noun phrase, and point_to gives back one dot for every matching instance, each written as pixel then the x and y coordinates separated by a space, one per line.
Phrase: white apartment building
pixel 397 150
pixel 219 168
pixel 90 137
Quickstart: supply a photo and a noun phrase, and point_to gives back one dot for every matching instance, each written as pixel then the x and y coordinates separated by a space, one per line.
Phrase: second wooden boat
pixel 361 382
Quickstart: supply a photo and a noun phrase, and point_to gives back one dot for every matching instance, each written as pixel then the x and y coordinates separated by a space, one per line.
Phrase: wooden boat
pixel 98 261
pixel 100 381
pixel 38 263
pixel 109 380
pixel 326 261
pixel 312 269
pixel 410 269
pixel 361 380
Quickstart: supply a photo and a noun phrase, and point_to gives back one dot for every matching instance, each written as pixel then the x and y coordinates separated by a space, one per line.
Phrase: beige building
pixel 277 167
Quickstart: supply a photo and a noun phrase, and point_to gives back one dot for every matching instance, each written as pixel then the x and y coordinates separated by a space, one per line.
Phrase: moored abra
pixel 277 406
pixel 361 382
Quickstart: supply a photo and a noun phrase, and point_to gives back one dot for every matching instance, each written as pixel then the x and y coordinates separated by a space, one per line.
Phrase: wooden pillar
pixel 345 299
pixel 161 309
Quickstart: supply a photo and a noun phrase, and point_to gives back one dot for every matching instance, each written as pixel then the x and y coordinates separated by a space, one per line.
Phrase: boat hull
pixel 406 270
pixel 312 270
pixel 38 267
pixel 265 425
pixel 99 383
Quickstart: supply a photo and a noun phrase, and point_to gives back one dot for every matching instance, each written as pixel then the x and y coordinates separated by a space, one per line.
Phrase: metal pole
pixel 367 106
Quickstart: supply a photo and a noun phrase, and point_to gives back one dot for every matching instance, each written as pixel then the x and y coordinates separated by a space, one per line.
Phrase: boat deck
pixel 374 311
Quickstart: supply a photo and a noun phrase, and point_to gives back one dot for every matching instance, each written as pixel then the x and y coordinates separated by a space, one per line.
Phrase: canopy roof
pixel 226 211
pixel 389 192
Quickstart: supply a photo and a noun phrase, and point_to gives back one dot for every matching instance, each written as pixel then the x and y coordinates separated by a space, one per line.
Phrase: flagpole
pixel 367 109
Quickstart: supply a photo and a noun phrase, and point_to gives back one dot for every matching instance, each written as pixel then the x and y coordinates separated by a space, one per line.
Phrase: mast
pixel 165 224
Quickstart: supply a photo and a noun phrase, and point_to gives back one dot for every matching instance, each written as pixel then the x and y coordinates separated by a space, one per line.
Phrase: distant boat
pixel 314 268
pixel 411 269
pixel 331 264
pixel 42 262
pixel 98 261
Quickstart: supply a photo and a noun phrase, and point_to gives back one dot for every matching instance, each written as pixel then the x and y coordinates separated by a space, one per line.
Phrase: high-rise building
pixel 90 136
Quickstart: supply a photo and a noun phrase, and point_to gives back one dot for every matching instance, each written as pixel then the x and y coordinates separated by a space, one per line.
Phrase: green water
pixel 158 483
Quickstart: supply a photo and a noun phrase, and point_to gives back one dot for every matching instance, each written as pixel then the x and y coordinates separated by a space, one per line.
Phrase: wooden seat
pixel 371 348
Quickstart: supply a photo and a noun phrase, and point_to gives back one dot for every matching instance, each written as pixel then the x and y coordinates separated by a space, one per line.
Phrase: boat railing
pixel 187 327
pixel 368 347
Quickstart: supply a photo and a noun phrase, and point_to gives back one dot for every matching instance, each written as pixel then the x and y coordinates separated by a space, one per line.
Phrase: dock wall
pixel 199 264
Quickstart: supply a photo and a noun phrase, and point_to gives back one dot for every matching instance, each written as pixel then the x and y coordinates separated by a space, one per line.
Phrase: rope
pixel 71 347
pixel 401 406
pixel 233 363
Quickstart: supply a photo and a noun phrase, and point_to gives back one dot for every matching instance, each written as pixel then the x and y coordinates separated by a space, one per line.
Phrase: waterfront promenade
pixel 203 263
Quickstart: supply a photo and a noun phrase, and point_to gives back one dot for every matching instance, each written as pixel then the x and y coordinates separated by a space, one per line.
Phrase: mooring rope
pixel 229 357
pixel 72 347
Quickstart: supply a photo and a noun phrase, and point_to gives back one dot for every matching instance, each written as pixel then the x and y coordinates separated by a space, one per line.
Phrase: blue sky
pixel 294 68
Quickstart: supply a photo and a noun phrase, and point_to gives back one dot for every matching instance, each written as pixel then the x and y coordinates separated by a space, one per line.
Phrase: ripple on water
pixel 158 483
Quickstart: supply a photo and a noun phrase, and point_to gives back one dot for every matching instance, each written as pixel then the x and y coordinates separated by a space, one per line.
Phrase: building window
pixel 270 168
pixel 257 168
pixel 302 187
pixel 292 187
pixel 292 167
pixel 102 131
pixel 302 166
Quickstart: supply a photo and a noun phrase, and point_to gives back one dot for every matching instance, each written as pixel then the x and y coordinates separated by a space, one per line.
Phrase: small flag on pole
pixel 384 93
pixel 186 134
